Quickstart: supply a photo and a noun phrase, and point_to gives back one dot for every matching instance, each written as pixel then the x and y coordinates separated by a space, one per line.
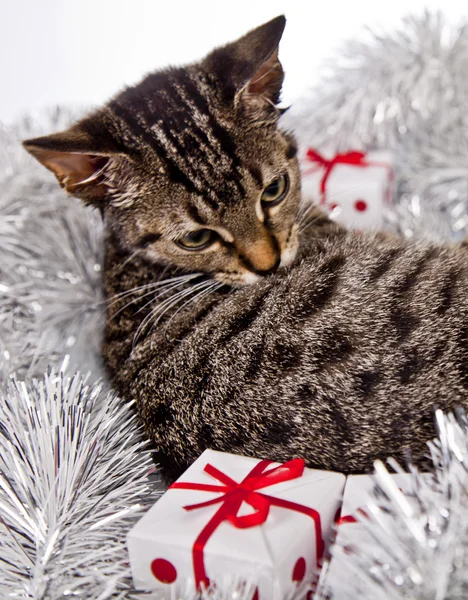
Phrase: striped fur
pixel 340 359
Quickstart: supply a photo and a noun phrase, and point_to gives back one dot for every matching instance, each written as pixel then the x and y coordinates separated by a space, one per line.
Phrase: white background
pixel 80 52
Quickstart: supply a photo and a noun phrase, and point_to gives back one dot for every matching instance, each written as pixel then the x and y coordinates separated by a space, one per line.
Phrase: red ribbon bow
pixel 234 494
pixel 355 158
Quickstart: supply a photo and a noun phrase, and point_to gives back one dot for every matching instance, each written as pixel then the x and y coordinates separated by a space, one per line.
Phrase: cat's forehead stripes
pixel 196 215
pixel 170 115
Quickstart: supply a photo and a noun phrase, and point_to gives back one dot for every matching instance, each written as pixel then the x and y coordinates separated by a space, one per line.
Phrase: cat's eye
pixel 275 192
pixel 197 240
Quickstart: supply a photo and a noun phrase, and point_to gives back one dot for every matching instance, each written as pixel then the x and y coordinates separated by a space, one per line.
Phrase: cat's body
pixel 340 360
pixel 299 338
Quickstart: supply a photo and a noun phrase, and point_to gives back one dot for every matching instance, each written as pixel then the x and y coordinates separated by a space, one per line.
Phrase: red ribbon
pixel 346 519
pixel 351 519
pixel 234 494
pixel 355 158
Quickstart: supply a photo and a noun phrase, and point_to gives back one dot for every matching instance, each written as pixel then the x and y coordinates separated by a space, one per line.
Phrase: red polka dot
pixel 333 206
pixel 360 205
pixel 299 570
pixel 255 596
pixel 310 595
pixel 163 570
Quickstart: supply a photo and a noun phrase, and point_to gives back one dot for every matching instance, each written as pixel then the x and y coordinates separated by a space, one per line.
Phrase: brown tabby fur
pixel 339 357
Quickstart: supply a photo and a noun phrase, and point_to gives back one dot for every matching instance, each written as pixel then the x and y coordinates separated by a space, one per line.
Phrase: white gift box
pixel 350 532
pixel 359 491
pixel 356 195
pixel 276 554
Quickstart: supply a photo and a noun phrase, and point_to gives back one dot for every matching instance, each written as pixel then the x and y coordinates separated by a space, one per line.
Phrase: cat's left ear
pixel 249 67
pixel 77 161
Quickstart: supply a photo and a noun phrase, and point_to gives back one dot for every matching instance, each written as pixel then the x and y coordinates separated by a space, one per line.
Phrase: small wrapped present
pixel 258 521
pixel 354 187
pixel 350 532
pixel 358 492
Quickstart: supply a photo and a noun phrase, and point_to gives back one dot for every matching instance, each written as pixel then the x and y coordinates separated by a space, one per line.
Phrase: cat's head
pixel 189 166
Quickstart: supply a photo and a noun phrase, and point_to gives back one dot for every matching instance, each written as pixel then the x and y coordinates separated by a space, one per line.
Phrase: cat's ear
pixel 249 67
pixel 76 160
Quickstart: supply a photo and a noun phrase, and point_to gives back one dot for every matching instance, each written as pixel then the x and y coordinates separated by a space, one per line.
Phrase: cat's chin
pixel 238 280
pixel 289 256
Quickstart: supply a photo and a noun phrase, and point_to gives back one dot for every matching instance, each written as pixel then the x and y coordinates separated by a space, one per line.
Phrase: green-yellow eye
pixel 276 191
pixel 197 240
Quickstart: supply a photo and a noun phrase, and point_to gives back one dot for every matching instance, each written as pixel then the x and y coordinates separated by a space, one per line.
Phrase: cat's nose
pixel 271 270
pixel 262 257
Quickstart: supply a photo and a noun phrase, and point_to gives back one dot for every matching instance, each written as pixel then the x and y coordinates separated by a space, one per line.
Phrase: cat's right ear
pixel 72 156
pixel 249 68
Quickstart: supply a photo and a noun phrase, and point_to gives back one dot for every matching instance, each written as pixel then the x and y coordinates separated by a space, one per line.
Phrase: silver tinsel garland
pixel 51 301
pixel 416 544
pixel 405 91
pixel 73 471
pixel 73 479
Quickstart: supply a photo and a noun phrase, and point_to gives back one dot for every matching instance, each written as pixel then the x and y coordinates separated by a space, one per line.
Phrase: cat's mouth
pixel 244 276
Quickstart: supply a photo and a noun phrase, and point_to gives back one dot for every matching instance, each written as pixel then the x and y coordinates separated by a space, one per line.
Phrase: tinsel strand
pixel 73 480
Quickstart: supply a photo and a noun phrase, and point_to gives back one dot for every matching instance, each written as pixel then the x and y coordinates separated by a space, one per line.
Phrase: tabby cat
pixel 237 320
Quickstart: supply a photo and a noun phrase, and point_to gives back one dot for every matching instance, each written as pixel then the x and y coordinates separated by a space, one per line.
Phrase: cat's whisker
pixel 158 312
pixel 307 224
pixel 155 284
pixel 117 297
pixel 154 293
pixel 123 295
pixel 158 283
pixel 154 315
pixel 215 285
pixel 304 217
pixel 165 307
pixel 308 219
pixel 302 221
pixel 160 292
pixel 277 110
pixel 304 212
pixel 168 307
pixel 303 209
pixel 129 259
pixel 191 299
pixel 175 299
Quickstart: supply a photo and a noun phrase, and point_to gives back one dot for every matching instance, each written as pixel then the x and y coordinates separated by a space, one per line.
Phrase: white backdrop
pixel 80 52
